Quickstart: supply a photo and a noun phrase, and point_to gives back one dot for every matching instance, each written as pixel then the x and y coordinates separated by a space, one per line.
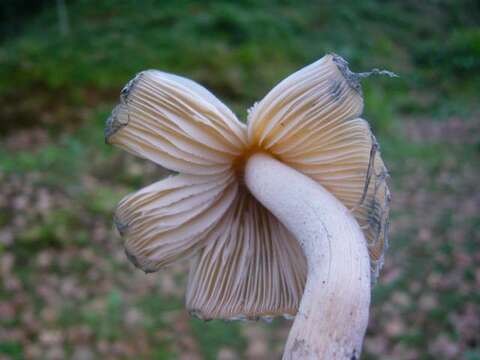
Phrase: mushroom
pixel 286 215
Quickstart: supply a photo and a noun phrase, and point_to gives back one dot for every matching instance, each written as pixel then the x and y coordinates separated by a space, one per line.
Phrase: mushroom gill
pixel 245 262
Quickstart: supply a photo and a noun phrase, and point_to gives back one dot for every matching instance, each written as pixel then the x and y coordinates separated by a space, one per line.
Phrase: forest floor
pixel 66 288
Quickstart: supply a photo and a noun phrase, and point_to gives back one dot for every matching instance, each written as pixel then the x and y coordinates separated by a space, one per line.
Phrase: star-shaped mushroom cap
pixel 245 263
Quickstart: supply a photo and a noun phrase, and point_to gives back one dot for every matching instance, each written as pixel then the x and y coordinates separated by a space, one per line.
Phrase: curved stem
pixel 333 313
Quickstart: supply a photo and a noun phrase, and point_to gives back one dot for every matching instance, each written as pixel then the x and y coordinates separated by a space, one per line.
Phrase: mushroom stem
pixel 333 313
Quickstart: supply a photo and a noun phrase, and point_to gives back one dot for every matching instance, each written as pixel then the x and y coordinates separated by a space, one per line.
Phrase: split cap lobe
pixel 246 264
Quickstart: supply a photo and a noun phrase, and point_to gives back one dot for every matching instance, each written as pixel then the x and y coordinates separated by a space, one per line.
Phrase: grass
pixel 239 42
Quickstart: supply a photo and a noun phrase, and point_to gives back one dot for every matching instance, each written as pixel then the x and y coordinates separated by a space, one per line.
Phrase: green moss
pixel 215 334
pixel 12 350
pixel 59 228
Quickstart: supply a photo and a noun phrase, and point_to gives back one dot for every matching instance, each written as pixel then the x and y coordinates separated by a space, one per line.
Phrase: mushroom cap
pixel 244 262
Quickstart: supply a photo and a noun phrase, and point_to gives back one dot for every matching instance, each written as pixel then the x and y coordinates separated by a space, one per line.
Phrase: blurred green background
pixel 66 288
